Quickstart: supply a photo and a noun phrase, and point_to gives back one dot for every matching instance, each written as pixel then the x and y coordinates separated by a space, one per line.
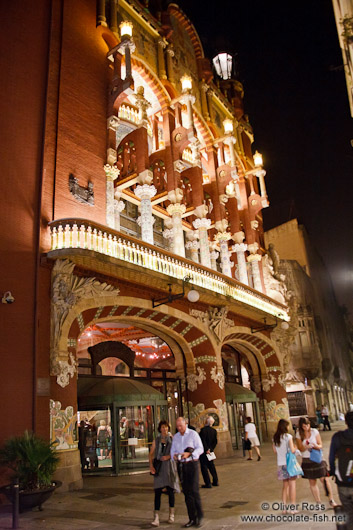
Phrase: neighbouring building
pixel 343 10
pixel 133 237
pixel 317 347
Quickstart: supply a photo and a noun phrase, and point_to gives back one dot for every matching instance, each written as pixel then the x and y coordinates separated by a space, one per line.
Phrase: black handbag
pixel 157 464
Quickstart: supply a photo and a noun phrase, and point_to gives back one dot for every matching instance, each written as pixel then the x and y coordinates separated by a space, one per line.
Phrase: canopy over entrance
pixel 239 394
pixel 107 390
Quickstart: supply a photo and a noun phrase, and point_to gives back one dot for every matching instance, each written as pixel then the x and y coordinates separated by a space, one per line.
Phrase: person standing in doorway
pixel 208 437
pixel 186 450
pixel 324 415
pixel 250 434
pixel 340 460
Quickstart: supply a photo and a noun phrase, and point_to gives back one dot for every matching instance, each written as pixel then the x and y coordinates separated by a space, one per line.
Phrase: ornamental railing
pixel 86 235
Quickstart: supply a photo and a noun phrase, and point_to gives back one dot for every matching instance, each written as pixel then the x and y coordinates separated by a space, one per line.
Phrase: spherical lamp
pixel 193 296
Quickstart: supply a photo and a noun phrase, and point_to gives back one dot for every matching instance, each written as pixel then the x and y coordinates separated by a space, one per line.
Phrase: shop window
pixel 296 403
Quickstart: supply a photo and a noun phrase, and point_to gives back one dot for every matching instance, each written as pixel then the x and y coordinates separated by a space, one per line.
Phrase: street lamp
pixel 258 159
pixel 228 126
pixel 223 65
pixel 186 83
pixel 126 29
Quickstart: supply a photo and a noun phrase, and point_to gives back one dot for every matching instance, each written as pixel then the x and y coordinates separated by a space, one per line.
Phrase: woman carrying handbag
pixel 283 445
pixel 164 471
pixel 314 466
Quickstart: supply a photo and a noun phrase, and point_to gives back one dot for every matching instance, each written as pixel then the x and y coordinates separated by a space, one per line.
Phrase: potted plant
pixel 33 461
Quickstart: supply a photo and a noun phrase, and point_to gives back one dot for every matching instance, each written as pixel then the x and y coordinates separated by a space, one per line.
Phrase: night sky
pixel 290 63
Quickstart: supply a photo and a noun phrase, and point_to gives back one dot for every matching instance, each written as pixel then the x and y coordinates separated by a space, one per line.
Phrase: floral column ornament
pixel 254 260
pixel 146 219
pixel 176 211
pixel 112 173
pixel 142 103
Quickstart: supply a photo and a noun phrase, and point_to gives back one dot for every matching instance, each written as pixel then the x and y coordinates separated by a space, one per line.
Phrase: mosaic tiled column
pixel 226 264
pixel 202 225
pixel 205 393
pixel 111 173
pixel 240 249
pixel 254 259
pixel 214 255
pixel 118 208
pixel 188 99
pixel 193 246
pixel 146 220
pixel 176 211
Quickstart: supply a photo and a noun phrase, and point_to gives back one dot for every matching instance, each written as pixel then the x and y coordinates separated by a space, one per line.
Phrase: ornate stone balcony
pixel 92 237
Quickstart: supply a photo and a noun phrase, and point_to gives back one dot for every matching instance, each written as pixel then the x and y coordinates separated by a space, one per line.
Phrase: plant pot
pixel 31 499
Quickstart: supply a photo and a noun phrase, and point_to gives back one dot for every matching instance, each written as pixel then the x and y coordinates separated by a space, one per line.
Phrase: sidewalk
pixel 120 503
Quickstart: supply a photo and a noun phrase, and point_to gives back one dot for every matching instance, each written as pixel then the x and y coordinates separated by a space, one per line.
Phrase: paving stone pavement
pixel 126 503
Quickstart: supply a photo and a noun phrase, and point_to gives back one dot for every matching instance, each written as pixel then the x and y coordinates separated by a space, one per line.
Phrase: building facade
pixel 316 353
pixel 134 236
pixel 343 10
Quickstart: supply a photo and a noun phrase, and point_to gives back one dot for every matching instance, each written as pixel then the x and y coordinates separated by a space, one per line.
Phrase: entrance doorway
pixel 121 418
pixel 241 403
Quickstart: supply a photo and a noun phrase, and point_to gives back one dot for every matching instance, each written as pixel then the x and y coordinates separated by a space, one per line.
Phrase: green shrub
pixel 33 460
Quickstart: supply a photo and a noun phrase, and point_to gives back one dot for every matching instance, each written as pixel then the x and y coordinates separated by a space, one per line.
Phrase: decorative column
pixel 113 17
pixel 240 248
pixel 230 141
pixel 214 255
pixel 118 208
pixel 146 219
pixel 102 21
pixel 260 173
pixel 222 237
pixel 112 173
pixel 202 225
pixel 193 244
pixel 127 45
pixel 188 99
pixel 170 68
pixel 204 88
pixel 254 259
pixel 176 211
pixel 226 264
pixel 161 63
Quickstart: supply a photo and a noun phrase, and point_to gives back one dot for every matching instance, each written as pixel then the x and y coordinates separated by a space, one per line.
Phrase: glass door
pixel 135 433
pixel 95 439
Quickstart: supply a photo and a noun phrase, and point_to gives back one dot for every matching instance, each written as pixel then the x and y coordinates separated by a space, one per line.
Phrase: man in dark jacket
pixel 341 450
pixel 208 436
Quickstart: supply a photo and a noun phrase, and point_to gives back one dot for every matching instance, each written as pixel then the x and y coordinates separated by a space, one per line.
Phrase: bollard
pixel 340 525
pixel 15 503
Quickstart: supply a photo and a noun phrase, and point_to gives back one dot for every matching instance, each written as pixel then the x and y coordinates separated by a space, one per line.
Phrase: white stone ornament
pixel 217 376
pixel 196 379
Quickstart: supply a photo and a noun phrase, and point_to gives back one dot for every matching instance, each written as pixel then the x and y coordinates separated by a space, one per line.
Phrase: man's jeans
pixel 346 497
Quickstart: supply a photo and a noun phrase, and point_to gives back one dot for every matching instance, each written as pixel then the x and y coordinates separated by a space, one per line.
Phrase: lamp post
pixel 260 172
pixel 127 44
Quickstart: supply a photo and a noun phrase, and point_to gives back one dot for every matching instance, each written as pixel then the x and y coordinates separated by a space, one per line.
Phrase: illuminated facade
pixel 343 10
pixel 140 185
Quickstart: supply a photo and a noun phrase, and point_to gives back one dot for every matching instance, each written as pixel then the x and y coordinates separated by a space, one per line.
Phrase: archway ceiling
pixel 142 342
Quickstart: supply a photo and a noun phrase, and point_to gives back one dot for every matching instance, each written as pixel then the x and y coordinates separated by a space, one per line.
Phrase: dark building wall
pixel 23 65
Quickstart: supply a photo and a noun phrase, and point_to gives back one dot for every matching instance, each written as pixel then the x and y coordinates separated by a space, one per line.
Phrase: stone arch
pixel 189 27
pixel 151 79
pixel 179 330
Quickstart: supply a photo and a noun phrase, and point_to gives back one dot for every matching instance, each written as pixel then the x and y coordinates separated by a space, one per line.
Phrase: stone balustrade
pixel 83 234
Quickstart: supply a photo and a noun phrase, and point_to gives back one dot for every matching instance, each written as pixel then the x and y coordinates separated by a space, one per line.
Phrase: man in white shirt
pixel 186 450
pixel 324 415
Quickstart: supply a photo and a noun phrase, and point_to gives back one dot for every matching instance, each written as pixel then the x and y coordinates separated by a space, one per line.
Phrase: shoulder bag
pixel 293 468
pixel 316 456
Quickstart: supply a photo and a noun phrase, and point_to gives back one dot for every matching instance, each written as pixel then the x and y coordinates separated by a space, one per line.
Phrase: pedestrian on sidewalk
pixel 308 439
pixel 324 415
pixel 340 459
pixel 208 437
pixel 250 434
pixel 164 471
pixel 186 450
pixel 282 444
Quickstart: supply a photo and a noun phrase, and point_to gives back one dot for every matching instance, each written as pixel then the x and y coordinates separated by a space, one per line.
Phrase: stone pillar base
pixel 224 447
pixel 69 471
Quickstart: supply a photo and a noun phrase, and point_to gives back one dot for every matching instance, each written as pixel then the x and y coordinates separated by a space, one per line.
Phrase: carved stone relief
pixel 215 319
pixel 67 291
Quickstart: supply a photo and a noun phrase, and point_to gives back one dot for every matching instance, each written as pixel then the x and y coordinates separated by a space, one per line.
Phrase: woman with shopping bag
pixel 288 467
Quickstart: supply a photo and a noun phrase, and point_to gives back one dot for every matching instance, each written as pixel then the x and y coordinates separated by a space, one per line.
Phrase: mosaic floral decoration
pixel 63 426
